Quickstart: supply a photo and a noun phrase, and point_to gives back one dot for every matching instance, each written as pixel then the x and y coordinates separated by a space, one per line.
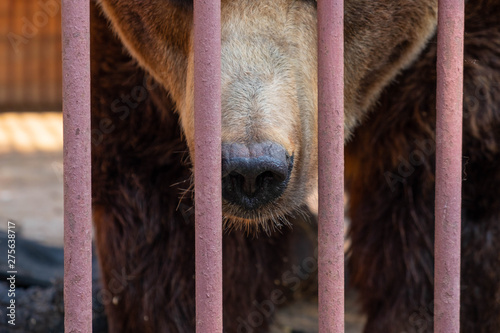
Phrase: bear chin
pixel 268 219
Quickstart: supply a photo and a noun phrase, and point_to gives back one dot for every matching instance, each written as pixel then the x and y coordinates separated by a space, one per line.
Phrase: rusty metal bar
pixel 331 165
pixel 207 164
pixel 77 195
pixel 448 166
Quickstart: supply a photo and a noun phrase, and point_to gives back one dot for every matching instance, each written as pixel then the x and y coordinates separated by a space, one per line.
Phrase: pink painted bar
pixel 208 193
pixel 448 166
pixel 77 194
pixel 331 164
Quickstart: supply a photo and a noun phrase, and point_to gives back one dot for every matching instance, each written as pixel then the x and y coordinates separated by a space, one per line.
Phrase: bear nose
pixel 254 174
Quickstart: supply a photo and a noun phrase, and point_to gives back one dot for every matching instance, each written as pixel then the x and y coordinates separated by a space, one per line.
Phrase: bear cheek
pixel 185 107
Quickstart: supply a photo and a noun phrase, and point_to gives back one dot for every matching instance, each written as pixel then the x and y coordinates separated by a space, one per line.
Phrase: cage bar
pixel 448 166
pixel 207 165
pixel 77 177
pixel 331 165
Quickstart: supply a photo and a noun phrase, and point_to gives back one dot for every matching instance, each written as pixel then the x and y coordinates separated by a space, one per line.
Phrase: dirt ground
pixel 31 193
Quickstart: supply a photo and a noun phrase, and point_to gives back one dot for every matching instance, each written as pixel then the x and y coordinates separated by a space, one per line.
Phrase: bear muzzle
pixel 254 174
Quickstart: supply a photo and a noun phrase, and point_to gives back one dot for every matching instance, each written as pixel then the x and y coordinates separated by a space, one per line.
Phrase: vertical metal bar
pixel 331 164
pixel 207 163
pixel 77 195
pixel 448 166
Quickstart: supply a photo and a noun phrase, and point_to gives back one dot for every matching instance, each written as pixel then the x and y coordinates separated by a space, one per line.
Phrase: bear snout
pixel 254 174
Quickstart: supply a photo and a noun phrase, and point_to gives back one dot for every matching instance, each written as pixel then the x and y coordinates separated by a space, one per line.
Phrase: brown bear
pixel 142 118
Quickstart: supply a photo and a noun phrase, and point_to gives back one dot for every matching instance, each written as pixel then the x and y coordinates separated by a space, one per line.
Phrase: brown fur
pixel 141 163
pixel 144 220
pixel 392 199
pixel 269 89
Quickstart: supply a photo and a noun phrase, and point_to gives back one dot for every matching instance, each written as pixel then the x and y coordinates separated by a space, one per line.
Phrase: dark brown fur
pixel 141 168
pixel 392 231
pixel 144 232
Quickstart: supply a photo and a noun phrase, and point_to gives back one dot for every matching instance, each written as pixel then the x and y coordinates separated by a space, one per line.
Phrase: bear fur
pixel 142 135
pixel 144 217
pixel 390 170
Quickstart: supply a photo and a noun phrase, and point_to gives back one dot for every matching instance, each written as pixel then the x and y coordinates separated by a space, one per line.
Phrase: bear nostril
pixel 254 174
pixel 250 184
pixel 269 176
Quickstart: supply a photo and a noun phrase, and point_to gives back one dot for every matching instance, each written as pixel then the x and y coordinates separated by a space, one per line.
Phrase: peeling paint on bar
pixel 208 193
pixel 77 188
pixel 448 166
pixel 331 165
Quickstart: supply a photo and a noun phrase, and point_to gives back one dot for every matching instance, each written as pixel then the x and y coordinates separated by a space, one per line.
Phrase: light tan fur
pixel 269 70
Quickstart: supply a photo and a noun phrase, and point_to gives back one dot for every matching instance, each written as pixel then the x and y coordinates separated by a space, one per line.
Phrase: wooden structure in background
pixel 30 55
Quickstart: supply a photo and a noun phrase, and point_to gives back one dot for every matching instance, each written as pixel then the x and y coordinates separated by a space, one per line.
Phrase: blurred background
pixel 30 119
pixel 30 55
